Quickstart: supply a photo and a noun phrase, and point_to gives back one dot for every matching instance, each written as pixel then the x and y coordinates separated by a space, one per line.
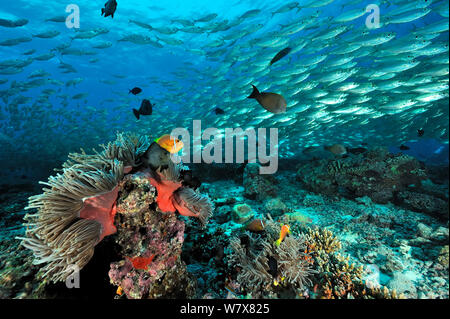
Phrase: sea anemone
pixel 73 214
pixel 76 211
pixel 251 253
pixel 127 148
pixel 190 203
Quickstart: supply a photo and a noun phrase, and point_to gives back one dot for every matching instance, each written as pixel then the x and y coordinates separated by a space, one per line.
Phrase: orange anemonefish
pixel 170 143
pixel 283 232
pixel 255 225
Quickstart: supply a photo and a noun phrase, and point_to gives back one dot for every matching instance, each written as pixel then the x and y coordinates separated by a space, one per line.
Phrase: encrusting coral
pixel 78 207
pixel 150 244
pixel 378 174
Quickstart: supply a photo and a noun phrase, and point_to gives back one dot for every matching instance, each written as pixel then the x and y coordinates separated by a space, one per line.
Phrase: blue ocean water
pixel 344 81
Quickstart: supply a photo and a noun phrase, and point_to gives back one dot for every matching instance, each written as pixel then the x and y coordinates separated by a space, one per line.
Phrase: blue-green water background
pixel 36 138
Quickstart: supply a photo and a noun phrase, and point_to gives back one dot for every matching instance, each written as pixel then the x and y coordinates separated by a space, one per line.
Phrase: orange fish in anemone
pixel 285 229
pixel 170 143
pixel 255 225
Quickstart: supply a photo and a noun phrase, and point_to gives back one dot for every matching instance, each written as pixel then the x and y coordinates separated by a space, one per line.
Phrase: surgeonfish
pixel 272 102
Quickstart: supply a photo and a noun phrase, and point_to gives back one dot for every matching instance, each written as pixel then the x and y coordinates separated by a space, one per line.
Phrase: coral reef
pixel 334 277
pixel 307 264
pixel 256 185
pixel 381 176
pixel 339 247
pixel 204 252
pixel 85 202
pixel 17 272
pixel 264 269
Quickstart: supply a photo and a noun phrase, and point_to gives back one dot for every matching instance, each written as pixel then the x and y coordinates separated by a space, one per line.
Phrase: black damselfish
pixel 145 109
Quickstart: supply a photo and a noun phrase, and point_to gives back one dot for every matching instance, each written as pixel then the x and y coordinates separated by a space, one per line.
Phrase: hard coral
pixel 334 277
pixel 257 186
pixel 426 203
pixel 242 213
pixel 376 174
pixel 150 243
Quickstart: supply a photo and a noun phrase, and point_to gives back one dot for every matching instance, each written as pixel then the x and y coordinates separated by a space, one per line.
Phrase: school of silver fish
pixel 342 81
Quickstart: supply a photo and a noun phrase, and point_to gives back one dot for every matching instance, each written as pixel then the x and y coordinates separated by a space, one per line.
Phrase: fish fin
pixel 112 15
pixel 254 94
pixel 103 11
pixel 136 113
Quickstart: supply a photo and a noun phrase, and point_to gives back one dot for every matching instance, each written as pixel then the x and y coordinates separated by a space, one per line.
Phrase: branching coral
pixel 321 239
pixel 335 277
